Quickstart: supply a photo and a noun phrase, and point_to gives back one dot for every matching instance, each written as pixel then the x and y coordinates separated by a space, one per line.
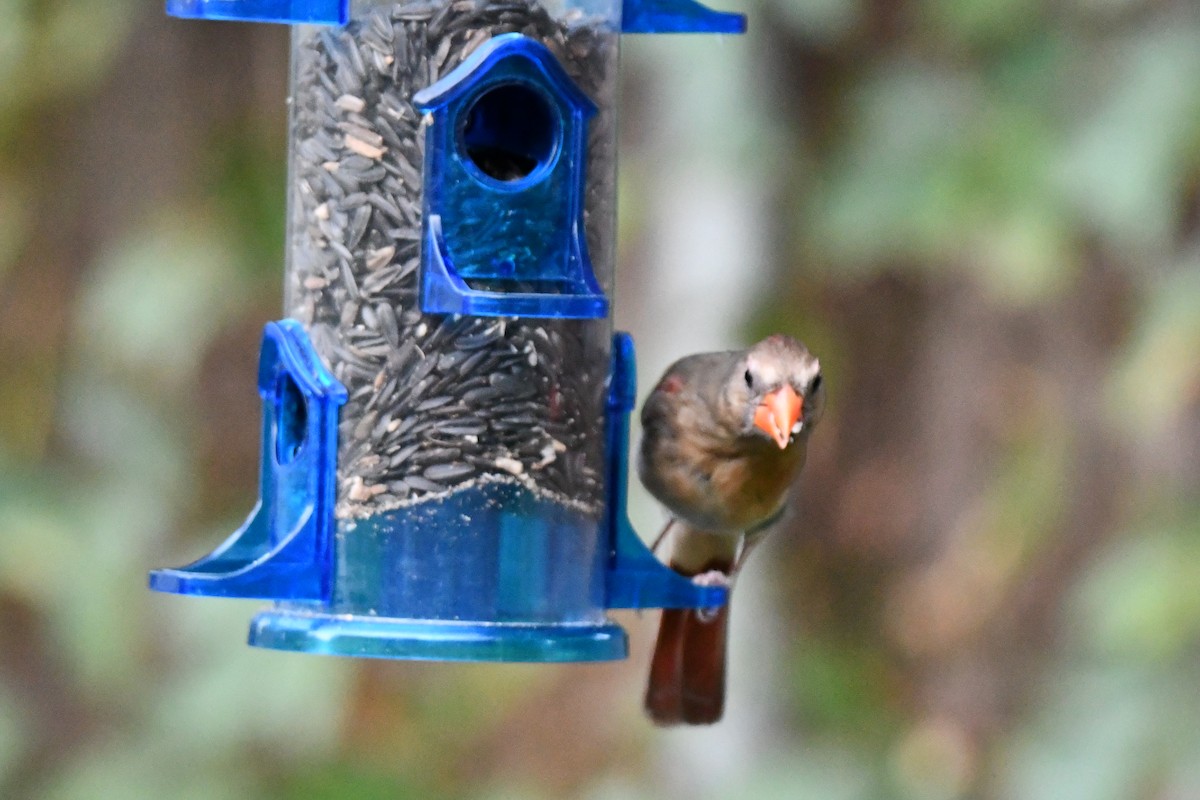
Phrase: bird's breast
pixel 752 488
pixel 721 489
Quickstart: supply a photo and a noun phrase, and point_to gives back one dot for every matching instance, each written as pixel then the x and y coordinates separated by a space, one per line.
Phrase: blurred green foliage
pixel 1030 629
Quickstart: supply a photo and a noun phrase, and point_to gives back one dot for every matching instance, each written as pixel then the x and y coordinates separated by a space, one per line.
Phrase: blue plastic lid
pixel 321 12
pixel 637 16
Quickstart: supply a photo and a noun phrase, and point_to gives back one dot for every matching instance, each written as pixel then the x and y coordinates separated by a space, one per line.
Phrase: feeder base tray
pixel 321 633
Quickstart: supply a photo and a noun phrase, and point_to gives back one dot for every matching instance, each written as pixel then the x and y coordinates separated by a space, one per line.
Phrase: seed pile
pixel 436 401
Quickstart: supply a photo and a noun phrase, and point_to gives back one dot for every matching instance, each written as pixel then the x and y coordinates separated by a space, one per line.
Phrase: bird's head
pixel 778 388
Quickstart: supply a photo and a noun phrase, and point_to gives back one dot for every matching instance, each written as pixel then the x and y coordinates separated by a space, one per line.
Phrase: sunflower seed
pixel 423 485
pixel 448 472
pixel 436 399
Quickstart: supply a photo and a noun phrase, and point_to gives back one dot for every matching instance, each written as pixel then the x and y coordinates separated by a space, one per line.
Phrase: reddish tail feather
pixel 687 671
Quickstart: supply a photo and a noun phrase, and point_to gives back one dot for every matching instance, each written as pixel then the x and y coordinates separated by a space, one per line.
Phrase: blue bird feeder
pixel 445 406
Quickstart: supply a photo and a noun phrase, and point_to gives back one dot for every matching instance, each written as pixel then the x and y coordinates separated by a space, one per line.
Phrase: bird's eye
pixel 749 379
pixel 815 385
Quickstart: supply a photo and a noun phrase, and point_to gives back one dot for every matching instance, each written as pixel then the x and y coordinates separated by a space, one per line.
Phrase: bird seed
pixel 437 402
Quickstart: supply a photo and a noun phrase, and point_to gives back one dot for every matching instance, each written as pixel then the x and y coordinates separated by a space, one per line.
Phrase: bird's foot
pixel 714 577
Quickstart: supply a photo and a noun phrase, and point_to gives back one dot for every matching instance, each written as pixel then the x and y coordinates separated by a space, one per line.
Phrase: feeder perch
pixel 446 408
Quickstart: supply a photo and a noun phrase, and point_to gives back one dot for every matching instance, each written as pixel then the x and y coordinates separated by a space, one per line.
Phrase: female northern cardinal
pixel 724 436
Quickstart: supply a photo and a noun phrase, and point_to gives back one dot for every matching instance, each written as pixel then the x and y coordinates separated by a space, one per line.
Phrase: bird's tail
pixel 687 671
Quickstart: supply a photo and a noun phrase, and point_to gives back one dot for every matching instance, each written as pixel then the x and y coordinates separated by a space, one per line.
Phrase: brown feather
pixel 705 644
pixel 687 671
pixel 664 689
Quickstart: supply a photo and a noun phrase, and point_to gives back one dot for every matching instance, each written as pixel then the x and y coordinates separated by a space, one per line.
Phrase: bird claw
pixel 714 577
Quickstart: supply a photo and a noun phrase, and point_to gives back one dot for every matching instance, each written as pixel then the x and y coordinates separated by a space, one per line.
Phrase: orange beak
pixel 778 413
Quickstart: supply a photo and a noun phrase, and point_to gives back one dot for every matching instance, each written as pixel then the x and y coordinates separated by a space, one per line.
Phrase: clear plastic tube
pixel 471 476
pixel 438 401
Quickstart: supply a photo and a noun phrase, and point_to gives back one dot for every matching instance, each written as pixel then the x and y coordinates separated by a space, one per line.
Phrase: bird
pixel 724 436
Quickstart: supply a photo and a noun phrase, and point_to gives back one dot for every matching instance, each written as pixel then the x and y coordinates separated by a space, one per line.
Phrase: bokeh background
pixel 984 215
